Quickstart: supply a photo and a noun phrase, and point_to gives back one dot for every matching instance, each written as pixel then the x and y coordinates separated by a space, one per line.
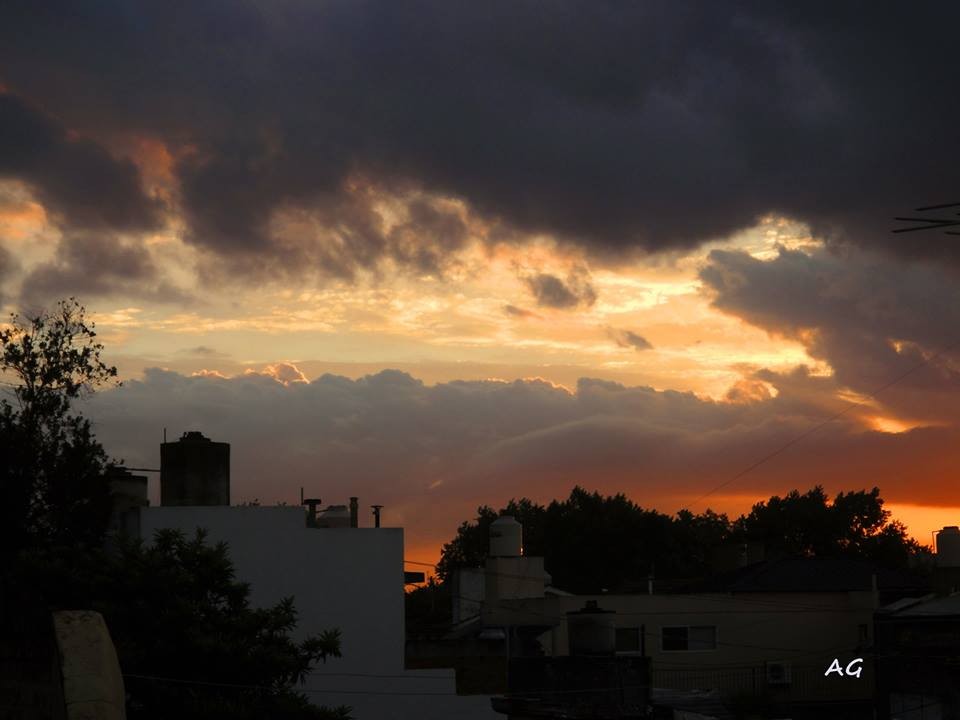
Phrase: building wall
pixel 346 578
pixel 807 630
pixel 514 577
pixel 468 593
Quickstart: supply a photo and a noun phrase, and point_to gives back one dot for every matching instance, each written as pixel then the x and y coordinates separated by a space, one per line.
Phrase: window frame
pixel 716 638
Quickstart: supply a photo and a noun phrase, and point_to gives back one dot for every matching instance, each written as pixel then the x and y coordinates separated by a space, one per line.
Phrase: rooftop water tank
pixel 591 631
pixel 948 547
pixel 506 537
pixel 194 470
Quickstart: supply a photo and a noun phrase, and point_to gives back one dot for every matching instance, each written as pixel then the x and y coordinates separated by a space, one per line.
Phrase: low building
pixel 791 636
pixel 590 680
pixel 763 636
pixel 918 645
pixel 341 576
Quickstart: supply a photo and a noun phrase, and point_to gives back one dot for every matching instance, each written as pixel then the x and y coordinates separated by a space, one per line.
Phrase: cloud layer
pixel 75 178
pixel 872 320
pixel 431 454
pixel 652 126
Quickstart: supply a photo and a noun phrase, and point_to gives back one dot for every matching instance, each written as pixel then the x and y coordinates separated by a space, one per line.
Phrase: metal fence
pixel 789 682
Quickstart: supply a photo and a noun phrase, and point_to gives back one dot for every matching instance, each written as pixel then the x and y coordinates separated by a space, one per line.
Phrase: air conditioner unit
pixel 778 673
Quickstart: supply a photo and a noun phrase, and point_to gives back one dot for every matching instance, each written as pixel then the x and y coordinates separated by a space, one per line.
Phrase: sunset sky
pixel 439 255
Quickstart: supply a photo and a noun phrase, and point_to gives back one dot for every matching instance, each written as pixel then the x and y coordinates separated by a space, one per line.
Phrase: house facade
pixel 793 636
pixel 347 578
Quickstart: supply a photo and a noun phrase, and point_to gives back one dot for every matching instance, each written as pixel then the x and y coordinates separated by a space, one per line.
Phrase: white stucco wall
pixel 347 578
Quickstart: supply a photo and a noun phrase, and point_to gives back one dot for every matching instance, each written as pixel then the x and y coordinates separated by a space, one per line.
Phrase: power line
pixel 871 395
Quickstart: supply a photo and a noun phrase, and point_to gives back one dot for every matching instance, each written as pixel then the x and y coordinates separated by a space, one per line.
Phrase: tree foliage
pixel 810 524
pixel 592 542
pixel 53 484
pixel 188 640
pixel 189 643
pixel 428 608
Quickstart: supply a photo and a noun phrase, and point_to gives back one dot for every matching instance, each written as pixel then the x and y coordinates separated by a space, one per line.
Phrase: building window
pixel 628 640
pixel 689 638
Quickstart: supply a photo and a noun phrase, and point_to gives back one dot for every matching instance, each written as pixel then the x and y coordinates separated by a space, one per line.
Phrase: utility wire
pixel 871 395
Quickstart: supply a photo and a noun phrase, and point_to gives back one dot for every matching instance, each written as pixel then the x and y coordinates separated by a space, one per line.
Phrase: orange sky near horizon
pixel 645 321
pixel 651 251
pixel 921 521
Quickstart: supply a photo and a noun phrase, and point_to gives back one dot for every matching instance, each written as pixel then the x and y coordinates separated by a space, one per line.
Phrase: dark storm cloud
pixel 202 351
pixel 428 237
pixel 97 264
pixel 343 235
pixel 519 312
pixel 552 292
pixel 629 339
pixel 73 177
pixel 872 319
pixel 616 126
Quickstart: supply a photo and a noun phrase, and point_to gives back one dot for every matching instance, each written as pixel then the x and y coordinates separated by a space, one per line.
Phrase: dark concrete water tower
pixel 194 470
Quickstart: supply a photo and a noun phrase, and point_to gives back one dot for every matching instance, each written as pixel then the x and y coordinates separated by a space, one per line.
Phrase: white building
pixel 348 578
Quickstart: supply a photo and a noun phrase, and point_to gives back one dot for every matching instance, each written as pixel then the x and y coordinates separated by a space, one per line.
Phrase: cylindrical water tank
pixel 194 470
pixel 335 516
pixel 506 537
pixel 591 631
pixel 948 547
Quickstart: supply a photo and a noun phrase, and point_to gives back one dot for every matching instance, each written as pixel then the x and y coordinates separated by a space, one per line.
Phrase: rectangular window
pixel 689 638
pixel 628 640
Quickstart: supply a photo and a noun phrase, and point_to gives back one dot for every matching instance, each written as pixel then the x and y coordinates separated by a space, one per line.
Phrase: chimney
pixel 354 512
pixel 376 515
pixel 311 504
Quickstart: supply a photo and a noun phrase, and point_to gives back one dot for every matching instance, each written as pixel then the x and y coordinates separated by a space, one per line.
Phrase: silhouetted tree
pixel 810 524
pixel 188 641
pixel 471 543
pixel 53 484
pixel 179 619
pixel 428 608
pixel 592 543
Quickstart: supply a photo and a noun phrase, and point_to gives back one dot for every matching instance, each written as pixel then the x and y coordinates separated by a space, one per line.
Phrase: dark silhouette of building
pixel 129 493
pixel 918 645
pixel 194 470
pixel 592 681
